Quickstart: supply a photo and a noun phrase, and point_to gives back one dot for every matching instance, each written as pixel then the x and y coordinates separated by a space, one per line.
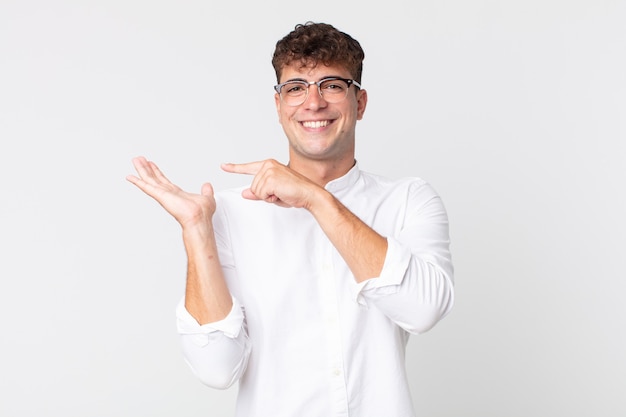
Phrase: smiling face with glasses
pixel 331 89
pixel 318 107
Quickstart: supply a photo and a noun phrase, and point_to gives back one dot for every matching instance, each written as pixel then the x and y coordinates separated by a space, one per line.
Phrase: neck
pixel 322 172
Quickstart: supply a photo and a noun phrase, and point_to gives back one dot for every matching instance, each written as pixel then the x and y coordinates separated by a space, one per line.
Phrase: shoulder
pixel 230 201
pixel 414 191
pixel 375 181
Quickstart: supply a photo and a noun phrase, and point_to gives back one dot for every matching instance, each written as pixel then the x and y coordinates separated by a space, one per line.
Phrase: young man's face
pixel 316 129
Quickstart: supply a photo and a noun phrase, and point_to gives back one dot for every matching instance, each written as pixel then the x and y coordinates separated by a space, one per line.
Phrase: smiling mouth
pixel 316 124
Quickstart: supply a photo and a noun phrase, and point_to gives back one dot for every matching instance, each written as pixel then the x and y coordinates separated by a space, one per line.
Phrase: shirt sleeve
pixel 216 352
pixel 415 288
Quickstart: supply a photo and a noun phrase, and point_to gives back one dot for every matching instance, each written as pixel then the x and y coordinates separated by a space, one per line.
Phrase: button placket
pixel 330 308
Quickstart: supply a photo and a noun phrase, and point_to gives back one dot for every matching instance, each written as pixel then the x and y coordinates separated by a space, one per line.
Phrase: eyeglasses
pixel 331 89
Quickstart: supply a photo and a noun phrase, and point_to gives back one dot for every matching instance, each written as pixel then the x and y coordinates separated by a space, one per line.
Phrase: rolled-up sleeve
pixel 415 288
pixel 216 352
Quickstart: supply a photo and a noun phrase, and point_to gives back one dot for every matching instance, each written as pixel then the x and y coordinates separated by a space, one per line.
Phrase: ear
pixel 277 103
pixel 361 103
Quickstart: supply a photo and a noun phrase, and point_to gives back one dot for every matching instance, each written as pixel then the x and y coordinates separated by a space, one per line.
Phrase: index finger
pixel 250 168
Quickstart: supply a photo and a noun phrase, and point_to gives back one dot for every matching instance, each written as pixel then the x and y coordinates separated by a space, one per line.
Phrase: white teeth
pixel 316 124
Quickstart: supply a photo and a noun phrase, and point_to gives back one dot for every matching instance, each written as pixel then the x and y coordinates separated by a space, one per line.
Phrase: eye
pixel 294 88
pixel 334 86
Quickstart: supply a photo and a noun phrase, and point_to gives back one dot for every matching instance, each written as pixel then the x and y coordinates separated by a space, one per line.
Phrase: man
pixel 305 286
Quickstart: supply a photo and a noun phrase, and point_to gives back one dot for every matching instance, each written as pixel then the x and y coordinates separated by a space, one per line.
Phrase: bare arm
pixel 206 294
pixel 207 297
pixel 361 247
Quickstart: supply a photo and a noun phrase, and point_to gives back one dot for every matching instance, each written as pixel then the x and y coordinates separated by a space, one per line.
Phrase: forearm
pixel 207 297
pixel 362 248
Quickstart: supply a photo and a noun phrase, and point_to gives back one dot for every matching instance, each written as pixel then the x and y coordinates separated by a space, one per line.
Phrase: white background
pixel 514 110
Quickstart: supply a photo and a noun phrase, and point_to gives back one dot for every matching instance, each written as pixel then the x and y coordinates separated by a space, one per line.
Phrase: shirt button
pixel 336 372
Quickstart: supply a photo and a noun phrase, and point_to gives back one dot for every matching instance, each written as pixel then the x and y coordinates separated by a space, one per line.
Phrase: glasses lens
pixel 294 93
pixel 334 91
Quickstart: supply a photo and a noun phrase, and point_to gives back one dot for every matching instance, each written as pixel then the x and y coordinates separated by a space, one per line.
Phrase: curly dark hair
pixel 315 43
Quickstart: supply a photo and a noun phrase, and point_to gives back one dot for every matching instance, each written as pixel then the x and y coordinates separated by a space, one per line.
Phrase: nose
pixel 314 99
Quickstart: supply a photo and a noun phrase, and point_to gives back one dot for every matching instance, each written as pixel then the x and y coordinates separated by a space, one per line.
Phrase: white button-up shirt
pixel 303 338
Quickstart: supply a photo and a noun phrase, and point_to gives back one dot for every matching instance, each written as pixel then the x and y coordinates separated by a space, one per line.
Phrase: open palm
pixel 188 209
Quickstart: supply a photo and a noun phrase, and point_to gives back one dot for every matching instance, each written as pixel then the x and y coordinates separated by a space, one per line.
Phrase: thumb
pixel 207 190
pixel 249 195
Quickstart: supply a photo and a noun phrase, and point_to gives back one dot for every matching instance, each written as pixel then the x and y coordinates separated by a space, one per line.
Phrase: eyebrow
pixel 307 81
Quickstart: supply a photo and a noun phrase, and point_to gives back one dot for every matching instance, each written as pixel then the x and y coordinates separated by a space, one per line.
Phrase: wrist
pixel 322 201
pixel 197 232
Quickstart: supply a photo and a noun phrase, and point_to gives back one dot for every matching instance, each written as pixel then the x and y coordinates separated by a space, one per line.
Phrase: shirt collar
pixel 346 181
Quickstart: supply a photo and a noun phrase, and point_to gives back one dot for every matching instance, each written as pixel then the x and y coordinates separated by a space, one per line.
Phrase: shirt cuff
pixel 394 268
pixel 229 325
